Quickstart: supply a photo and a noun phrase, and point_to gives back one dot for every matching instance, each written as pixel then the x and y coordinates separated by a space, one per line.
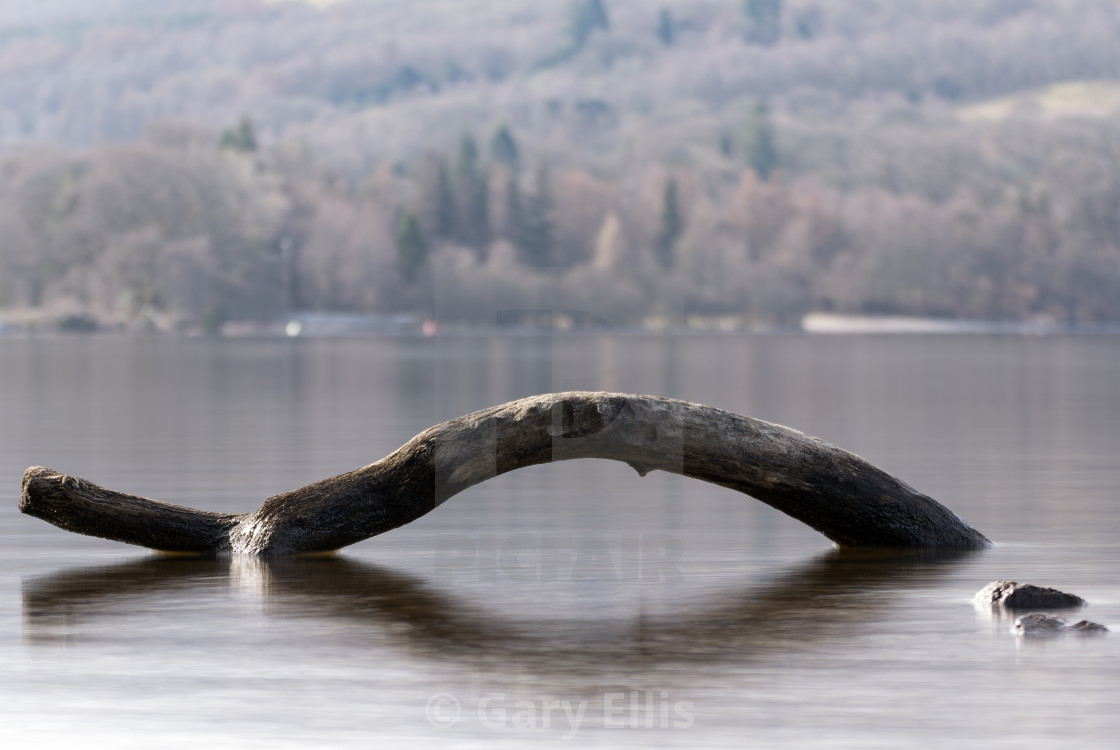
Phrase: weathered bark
pixel 85 508
pixel 835 492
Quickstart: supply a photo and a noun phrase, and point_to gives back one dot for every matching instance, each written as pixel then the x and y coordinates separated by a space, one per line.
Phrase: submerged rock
pixel 1014 595
pixel 1037 624
pixel 1088 627
pixel 1040 624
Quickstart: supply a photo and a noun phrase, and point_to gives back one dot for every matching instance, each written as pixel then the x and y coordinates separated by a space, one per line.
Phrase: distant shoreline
pixel 315 325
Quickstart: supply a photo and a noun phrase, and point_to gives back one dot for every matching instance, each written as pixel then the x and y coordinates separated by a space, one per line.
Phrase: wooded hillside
pixel 749 160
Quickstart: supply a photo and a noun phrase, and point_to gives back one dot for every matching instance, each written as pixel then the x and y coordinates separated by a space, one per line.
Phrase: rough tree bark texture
pixel 835 492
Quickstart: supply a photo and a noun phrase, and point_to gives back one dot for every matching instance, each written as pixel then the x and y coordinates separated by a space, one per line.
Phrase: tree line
pixel 189 228
pixel 736 160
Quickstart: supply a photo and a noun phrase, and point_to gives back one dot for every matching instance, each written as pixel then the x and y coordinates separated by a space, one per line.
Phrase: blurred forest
pixel 739 163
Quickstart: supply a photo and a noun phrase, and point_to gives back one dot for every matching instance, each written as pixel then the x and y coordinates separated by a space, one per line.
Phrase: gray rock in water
pixel 1085 626
pixel 1013 595
pixel 1040 624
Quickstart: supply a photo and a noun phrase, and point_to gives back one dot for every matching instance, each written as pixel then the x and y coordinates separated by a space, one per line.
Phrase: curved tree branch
pixel 835 492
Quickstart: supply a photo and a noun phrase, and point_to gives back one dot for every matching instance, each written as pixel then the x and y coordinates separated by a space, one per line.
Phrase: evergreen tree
pixel 437 199
pixel 808 23
pixel 764 21
pixel 412 248
pixel 535 241
pixel 726 146
pixel 666 28
pixel 586 16
pixel 241 137
pixel 672 226
pixel 472 195
pixel 597 14
pixel 444 200
pixel 761 151
pixel 503 148
pixel 467 160
pixel 515 211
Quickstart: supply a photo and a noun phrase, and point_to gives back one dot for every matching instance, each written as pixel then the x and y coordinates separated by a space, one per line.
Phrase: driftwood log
pixel 835 492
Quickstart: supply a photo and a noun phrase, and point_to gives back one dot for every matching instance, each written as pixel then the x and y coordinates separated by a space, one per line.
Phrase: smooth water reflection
pixel 826 599
pixel 656 611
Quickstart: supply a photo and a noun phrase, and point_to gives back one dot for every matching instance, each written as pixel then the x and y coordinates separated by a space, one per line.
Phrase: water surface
pixel 571 602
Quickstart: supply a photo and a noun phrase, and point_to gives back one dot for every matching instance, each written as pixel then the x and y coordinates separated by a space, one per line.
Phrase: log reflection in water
pixel 834 596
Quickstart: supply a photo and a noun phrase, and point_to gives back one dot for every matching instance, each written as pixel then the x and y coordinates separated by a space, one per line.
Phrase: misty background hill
pixel 735 163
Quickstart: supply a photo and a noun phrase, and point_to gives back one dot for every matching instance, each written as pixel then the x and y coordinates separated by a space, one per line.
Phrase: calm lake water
pixel 570 603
